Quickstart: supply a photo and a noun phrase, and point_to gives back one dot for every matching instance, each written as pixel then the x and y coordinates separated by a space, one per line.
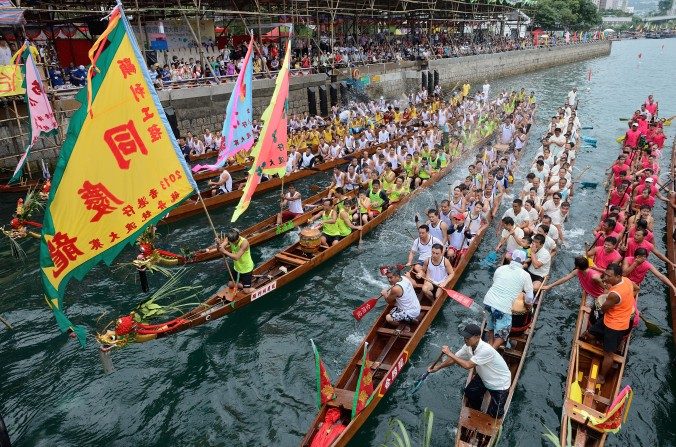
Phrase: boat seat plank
pixel 344 399
pixel 393 332
pixel 425 308
pixel 571 405
pixel 382 366
pixel 598 350
pixel 289 260
pixel 478 421
pixel 512 353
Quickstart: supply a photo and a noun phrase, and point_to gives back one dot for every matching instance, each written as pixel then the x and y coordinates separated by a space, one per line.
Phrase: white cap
pixel 519 256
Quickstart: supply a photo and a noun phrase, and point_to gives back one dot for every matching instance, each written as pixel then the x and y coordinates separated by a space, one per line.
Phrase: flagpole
pixel 213 228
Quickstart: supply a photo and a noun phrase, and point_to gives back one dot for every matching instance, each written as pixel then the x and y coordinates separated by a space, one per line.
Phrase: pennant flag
pixel 269 153
pixel 11 78
pixel 119 170
pixel 40 114
pixel 364 385
pixel 612 421
pixel 325 391
pixel 460 298
pixel 237 133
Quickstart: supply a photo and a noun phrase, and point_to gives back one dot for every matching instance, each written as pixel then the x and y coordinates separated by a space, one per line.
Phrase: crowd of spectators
pixel 311 56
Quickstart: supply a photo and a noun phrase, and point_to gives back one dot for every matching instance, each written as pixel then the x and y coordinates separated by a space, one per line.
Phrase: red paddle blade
pixel 362 310
pixel 460 298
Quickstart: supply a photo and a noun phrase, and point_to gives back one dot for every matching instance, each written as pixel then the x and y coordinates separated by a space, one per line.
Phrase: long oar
pixel 422 378
pixel 6 323
pixel 366 306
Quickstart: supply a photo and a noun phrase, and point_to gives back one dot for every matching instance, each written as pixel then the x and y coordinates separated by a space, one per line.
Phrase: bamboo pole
pixel 199 44
pixel 213 228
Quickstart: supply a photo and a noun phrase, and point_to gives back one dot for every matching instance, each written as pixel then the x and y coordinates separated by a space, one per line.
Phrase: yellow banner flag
pixel 119 170
pixel 11 77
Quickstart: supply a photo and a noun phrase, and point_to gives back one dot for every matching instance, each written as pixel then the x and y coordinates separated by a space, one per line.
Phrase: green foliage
pixel 554 440
pixel 150 309
pixel 575 15
pixel 398 436
pixel 664 6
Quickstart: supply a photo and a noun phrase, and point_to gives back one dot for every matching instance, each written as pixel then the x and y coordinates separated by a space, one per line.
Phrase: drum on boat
pixel 310 238
pixel 521 316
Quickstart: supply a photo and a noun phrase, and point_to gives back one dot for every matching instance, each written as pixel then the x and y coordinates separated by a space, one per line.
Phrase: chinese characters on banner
pixel 40 114
pixel 119 168
pixel 270 153
pixel 11 78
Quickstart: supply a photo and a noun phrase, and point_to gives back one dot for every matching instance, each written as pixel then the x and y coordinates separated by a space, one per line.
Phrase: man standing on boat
pixel 617 306
pixel 509 282
pixel 294 201
pixel 492 373
pixel 237 248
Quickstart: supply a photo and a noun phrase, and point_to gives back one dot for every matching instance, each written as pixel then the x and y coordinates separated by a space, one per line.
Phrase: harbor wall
pixel 204 106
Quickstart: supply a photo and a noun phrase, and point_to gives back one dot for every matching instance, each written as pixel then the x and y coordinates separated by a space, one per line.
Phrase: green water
pixel 248 379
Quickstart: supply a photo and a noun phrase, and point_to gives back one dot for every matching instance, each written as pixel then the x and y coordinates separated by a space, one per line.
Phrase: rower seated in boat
pixel 402 295
pixel 422 245
pixel 437 271
pixel 223 185
pixel 293 200
pixel 329 223
pixel 378 198
pixel 237 248
pixel 491 371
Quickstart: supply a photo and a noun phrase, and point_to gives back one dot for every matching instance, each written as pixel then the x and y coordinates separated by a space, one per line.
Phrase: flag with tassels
pixel 269 153
pixel 40 114
pixel 237 130
pixel 325 391
pixel 119 170
pixel 364 387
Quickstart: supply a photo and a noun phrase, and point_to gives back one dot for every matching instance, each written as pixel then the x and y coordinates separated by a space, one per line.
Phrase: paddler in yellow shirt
pixel 328 134
pixel 397 115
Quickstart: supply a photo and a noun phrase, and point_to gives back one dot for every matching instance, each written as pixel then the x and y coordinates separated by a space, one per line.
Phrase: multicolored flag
pixel 364 384
pixel 40 114
pixel 119 170
pixel 269 153
pixel 325 391
pixel 237 132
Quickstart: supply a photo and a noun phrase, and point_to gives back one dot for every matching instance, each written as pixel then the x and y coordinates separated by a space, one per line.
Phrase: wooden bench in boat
pixel 382 366
pixel 598 350
pixel 393 332
pixel 344 399
pixel 289 259
pixel 479 421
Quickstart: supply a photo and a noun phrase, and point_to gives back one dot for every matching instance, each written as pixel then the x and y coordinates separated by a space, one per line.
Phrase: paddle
pixel 587 128
pixel 422 378
pixel 365 308
pixel 6 323
pixel 575 388
pixel 652 327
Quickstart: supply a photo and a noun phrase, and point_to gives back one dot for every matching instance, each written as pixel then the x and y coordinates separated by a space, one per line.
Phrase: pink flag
pixel 460 298
pixel 40 112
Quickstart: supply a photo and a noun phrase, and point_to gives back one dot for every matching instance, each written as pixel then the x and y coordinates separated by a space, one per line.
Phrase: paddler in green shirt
pixel 344 222
pixel 435 161
pixel 398 190
pixel 378 198
pixel 237 248
pixel 531 98
pixel 329 217
pixel 424 173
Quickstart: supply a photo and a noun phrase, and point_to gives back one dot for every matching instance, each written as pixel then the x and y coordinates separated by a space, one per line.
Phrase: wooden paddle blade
pixel 362 310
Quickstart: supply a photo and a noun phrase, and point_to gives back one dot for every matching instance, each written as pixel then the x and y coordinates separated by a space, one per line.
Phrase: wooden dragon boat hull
pixel 193 206
pixel 392 351
pixel 596 399
pixel 671 244
pixel 21 187
pixel 286 266
pixel 266 229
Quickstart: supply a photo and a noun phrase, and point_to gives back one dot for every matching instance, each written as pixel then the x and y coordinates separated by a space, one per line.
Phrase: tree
pixel 576 15
pixel 664 6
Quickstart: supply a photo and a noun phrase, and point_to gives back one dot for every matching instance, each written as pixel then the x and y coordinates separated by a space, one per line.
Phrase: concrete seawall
pixel 204 106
